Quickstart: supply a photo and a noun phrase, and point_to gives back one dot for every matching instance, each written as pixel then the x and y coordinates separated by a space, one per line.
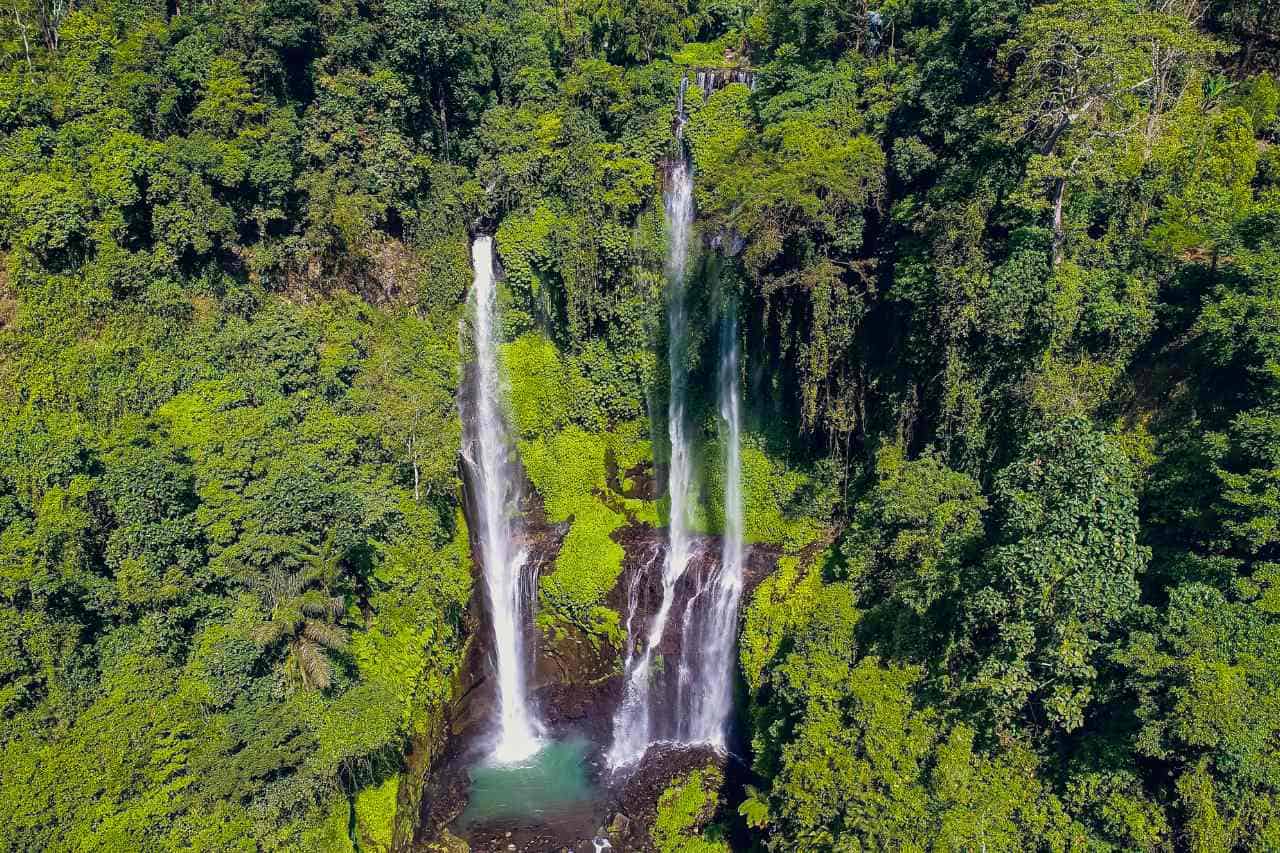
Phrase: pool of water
pixel 547 785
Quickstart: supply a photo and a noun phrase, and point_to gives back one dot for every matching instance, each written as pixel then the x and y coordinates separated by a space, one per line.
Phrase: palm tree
pixel 304 616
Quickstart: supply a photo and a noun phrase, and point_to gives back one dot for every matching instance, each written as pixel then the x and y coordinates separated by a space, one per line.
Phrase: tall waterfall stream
pixel 487 453
pixel 681 595
pixel 705 694
pixel 704 672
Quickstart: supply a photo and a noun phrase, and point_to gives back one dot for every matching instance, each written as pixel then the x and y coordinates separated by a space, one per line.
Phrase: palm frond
pixel 322 564
pixel 313 665
pixel 324 634
pixel 269 633
pixel 279 586
pixel 313 602
pixel 290 614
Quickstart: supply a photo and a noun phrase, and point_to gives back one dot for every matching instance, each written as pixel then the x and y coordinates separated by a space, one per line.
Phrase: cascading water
pixel 632 728
pixel 711 617
pixel 487 454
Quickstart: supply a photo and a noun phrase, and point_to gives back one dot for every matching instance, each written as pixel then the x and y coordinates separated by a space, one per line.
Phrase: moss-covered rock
pixel 685 813
pixel 375 812
pixel 574 460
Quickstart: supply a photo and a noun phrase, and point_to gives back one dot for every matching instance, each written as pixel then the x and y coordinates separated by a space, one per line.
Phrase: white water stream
pixel 711 617
pixel 487 454
pixel 704 677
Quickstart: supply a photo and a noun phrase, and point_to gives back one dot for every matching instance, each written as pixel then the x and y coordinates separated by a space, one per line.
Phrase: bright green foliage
pixel 578 475
pixel 913 531
pixel 191 575
pixel 773 502
pixel 714 54
pixel 375 815
pixel 568 469
pixel 850 757
pixel 409 387
pixel 775 611
pixel 1207 691
pixel 910 541
pixel 783 504
pixel 544 394
pixel 717 128
pixel 684 810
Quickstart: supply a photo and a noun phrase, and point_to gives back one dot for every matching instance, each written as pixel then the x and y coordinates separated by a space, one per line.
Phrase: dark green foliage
pixel 1059 582
pixel 909 539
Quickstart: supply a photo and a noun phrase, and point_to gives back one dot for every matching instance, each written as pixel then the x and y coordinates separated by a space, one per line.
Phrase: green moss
pixel 684 810
pixel 329 835
pixel 375 815
pixel 543 393
pixel 569 453
pixel 779 604
pixel 525 246
pixel 599 624
pixel 569 471
pixel 771 506
pixel 567 468
pixel 588 564
pixel 719 127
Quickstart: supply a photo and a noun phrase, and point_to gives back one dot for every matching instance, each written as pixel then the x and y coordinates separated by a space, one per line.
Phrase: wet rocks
pixel 636 799
pixel 710 80
pixel 577 683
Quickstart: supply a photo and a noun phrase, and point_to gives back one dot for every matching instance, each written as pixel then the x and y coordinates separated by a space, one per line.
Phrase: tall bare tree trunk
pixel 22 28
pixel 1059 237
pixel 413 460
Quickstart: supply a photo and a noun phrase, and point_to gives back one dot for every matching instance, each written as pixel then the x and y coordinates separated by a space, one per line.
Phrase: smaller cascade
pixel 487 455
pixel 711 616
pixel 710 80
pixel 682 116
pixel 633 724
pixel 697 697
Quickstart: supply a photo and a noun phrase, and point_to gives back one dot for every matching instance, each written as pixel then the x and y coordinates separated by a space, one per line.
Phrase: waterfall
pixel 710 79
pixel 487 454
pixel 706 690
pixel 703 688
pixel 633 724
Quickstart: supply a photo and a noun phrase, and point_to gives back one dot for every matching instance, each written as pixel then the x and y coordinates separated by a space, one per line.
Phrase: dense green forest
pixel 1009 277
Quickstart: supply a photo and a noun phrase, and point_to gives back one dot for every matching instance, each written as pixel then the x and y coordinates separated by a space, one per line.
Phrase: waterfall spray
pixel 487 454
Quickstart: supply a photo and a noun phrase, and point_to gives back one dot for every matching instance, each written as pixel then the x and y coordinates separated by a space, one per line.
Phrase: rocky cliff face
pixel 577 684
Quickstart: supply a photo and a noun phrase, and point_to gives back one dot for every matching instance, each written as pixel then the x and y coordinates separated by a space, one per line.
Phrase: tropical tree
pixel 305 618
pixel 1091 84
pixel 1051 597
